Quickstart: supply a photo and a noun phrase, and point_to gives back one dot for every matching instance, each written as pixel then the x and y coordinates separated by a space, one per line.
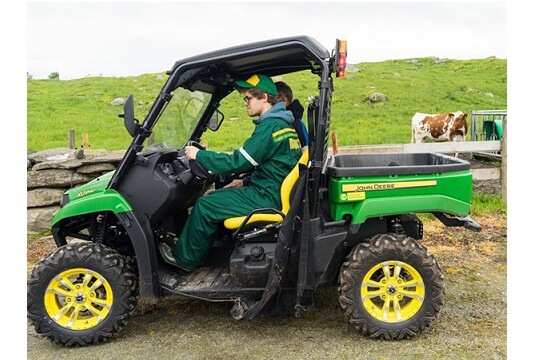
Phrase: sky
pixel 132 38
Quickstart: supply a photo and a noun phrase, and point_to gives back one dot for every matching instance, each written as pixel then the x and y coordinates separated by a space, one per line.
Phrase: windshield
pixel 179 118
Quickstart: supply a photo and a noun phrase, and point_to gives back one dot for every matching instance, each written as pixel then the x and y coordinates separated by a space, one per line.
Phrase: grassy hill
pixel 424 84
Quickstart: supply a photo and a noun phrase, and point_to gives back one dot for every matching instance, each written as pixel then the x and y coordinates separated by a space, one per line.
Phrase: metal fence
pixel 487 124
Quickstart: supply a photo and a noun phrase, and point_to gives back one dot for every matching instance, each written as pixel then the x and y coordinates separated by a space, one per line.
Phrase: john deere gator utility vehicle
pixel 347 221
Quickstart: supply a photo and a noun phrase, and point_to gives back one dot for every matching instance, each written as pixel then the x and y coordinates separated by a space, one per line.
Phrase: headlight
pixel 64 201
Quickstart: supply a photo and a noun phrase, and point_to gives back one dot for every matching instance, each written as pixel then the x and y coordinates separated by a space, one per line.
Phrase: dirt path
pixel 472 324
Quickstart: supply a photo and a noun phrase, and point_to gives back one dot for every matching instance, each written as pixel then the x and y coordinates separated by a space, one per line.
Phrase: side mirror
pixel 131 124
pixel 215 121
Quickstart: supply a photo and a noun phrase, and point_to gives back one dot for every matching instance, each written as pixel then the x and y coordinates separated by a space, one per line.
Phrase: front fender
pixel 138 230
pixel 107 200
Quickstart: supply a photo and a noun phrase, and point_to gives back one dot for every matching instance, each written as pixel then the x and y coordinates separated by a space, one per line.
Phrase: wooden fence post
pixel 503 161
pixel 335 145
pixel 85 143
pixel 71 139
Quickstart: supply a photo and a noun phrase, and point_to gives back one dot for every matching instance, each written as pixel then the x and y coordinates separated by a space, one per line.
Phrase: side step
pixel 206 283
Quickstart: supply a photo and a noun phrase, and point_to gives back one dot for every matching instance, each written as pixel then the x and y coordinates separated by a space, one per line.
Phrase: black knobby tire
pixel 81 294
pixel 391 287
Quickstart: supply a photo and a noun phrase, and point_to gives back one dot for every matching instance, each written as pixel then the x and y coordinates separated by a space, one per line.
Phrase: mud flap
pixel 467 222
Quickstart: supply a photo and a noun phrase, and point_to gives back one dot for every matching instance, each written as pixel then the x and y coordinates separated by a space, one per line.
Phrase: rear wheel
pixel 81 294
pixel 391 287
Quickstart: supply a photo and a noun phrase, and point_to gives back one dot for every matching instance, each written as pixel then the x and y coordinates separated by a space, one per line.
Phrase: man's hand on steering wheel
pixel 191 152
pixel 192 148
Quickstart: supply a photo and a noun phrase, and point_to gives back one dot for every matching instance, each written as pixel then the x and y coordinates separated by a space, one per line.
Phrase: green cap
pixel 259 81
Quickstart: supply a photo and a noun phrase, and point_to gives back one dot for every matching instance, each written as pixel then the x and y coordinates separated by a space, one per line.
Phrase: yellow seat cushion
pixel 286 188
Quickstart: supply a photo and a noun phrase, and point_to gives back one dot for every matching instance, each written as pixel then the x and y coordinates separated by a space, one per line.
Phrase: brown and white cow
pixel 439 127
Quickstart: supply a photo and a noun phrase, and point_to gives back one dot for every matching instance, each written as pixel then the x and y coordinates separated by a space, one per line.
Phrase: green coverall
pixel 272 151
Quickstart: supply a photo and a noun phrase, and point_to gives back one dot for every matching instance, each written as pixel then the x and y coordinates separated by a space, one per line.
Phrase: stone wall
pixel 51 172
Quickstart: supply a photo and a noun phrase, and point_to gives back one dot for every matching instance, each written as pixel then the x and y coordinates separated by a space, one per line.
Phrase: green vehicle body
pixel 92 197
pixel 352 218
pixel 425 194
pixel 400 194
pixel 365 186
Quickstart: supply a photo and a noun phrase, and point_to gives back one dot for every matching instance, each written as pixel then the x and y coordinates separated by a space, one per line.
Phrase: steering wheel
pixel 195 167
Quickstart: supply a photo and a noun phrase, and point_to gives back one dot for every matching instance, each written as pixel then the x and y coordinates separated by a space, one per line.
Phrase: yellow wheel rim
pixel 392 291
pixel 78 299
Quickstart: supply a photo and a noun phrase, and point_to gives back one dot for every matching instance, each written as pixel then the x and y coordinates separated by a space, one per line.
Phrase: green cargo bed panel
pixel 370 185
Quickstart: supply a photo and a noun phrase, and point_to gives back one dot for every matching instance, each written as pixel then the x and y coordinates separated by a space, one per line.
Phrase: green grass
pixel 483 204
pixel 84 105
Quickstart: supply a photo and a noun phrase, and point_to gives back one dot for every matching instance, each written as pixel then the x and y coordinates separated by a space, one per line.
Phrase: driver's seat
pixel 286 189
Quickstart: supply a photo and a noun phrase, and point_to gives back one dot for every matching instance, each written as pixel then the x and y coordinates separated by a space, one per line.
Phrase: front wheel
pixel 81 294
pixel 391 287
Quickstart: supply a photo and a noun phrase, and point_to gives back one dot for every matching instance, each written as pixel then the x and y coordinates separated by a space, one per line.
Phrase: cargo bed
pixel 371 185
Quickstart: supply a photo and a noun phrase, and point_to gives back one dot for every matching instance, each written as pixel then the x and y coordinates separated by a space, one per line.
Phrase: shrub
pixel 54 76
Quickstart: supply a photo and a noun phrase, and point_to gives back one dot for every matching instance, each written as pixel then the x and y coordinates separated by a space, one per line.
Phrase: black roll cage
pixel 215 73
